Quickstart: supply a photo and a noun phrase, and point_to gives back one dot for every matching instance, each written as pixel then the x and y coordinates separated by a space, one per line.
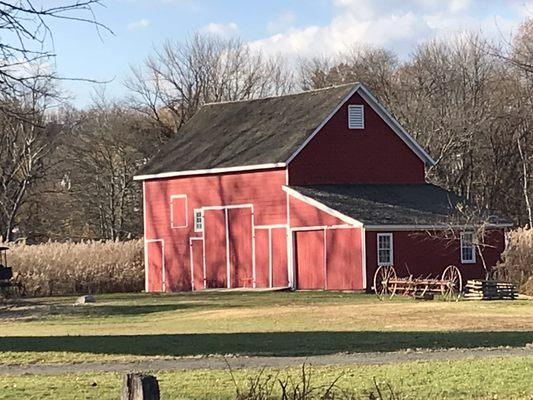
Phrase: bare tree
pixel 24 145
pixel 26 89
pixel 172 84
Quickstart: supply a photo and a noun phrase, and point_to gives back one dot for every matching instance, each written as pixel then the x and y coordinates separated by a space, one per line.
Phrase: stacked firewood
pixel 490 290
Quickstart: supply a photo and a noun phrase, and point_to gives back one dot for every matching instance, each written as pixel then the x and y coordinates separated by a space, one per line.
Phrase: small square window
pixel 198 220
pixel 356 116
pixel 468 250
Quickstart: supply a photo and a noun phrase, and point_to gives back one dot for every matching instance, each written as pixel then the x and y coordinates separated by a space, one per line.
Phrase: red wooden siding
pixel 374 154
pixel 262 258
pixel 240 246
pixel 178 216
pixel 417 253
pixel 310 260
pixel 197 260
pixel 344 259
pixel 304 214
pixel 154 255
pixel 279 258
pixel 263 189
pixel 215 244
pixel 329 259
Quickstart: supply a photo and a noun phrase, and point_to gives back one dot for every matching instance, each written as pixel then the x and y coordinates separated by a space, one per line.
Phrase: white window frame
pixel 362 108
pixel 391 261
pixel 201 212
pixel 463 246
pixel 179 196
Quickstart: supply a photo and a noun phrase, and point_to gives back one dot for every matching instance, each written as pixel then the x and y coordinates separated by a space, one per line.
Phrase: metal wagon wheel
pixel 452 283
pixel 382 285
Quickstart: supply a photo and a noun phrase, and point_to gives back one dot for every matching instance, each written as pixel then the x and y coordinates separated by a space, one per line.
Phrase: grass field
pixel 495 378
pixel 129 326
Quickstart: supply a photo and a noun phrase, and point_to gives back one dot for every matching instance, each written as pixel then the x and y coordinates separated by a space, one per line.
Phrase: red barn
pixel 308 191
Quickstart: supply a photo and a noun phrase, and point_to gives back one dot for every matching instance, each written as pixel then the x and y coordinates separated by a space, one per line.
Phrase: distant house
pixel 308 191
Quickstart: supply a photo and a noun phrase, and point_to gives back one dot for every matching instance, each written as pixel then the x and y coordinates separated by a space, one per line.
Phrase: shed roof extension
pixel 396 205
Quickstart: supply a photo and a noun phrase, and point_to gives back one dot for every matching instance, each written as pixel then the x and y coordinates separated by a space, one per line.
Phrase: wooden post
pixel 140 387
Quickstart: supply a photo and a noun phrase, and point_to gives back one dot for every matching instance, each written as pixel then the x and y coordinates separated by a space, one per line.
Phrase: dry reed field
pixel 517 265
pixel 78 268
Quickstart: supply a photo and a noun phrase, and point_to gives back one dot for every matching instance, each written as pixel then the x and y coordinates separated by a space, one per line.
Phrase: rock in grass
pixel 85 299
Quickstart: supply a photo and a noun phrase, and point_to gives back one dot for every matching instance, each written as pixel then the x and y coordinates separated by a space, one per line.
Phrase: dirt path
pixel 275 362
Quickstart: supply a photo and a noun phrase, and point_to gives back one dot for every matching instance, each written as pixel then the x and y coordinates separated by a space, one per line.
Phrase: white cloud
pixel 282 22
pixel 140 24
pixel 225 30
pixel 395 24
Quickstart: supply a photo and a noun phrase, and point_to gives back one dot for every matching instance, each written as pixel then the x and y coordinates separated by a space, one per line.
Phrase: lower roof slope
pixel 409 204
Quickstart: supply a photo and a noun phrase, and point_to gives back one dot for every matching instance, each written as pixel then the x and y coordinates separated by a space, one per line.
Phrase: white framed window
pixel 356 116
pixel 385 254
pixel 178 211
pixel 198 220
pixel 468 250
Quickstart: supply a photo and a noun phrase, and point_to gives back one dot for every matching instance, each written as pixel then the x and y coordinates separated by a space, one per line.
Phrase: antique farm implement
pixel 9 285
pixel 449 285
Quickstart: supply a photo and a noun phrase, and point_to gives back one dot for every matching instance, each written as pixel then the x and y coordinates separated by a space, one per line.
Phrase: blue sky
pixel 289 27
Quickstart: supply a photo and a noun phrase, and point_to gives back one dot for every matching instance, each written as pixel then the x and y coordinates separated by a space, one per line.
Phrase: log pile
pixel 490 290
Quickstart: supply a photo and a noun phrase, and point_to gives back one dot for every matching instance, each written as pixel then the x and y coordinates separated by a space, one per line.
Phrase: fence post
pixel 137 386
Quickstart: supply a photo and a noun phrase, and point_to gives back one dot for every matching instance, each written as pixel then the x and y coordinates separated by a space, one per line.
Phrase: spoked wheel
pixel 452 283
pixel 382 285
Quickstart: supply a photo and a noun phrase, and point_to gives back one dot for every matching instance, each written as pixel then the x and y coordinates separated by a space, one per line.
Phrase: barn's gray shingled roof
pixel 245 133
pixel 413 204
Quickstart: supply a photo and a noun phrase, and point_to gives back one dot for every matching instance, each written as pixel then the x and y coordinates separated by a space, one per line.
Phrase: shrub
pixel 517 264
pixel 268 386
pixel 78 268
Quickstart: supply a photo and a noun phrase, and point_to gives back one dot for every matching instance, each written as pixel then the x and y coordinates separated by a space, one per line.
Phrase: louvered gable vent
pixel 356 116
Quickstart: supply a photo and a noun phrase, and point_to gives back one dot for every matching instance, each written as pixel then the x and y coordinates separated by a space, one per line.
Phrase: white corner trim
pixel 208 171
pixel 428 227
pixel 363 255
pixel 145 224
pixel 319 127
pixel 322 206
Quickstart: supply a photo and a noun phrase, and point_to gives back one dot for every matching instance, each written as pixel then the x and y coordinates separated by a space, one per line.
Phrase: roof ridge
pixel 214 103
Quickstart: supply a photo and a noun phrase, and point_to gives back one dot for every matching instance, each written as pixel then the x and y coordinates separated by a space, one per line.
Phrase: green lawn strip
pixel 24 350
pixel 502 378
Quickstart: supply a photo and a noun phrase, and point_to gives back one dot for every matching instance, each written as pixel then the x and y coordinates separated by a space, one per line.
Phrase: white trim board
pixel 378 228
pixel 321 206
pixel 145 243
pixel 209 171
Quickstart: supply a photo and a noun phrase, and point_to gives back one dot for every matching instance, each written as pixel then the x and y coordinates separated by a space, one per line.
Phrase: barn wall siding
pixel 374 154
pixel 421 254
pixel 260 188
pixel 303 214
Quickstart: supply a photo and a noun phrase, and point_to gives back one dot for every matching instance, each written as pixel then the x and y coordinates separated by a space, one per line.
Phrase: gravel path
pixel 276 362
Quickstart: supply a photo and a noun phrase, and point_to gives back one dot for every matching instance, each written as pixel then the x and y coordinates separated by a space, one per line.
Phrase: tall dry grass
pixel 517 264
pixel 78 268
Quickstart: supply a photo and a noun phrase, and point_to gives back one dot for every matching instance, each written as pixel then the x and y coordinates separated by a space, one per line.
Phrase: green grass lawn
pixel 493 378
pixel 127 326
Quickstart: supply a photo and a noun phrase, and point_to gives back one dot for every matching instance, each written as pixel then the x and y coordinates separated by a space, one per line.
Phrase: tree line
pixel 67 174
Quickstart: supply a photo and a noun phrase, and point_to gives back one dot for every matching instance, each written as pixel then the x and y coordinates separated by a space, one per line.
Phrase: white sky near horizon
pixel 293 28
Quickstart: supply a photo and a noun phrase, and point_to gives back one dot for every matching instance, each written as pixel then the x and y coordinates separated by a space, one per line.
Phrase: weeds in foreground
pixel 275 386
